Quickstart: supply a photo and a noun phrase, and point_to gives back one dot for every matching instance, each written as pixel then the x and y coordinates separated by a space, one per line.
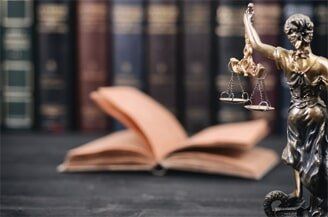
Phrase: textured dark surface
pixel 30 185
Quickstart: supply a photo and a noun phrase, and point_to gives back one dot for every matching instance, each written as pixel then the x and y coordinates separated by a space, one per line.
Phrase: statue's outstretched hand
pixel 249 13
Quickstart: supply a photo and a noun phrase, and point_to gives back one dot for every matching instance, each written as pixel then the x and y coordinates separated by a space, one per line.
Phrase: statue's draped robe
pixel 307 130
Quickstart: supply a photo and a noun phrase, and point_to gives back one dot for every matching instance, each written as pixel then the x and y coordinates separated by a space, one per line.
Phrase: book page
pixel 253 164
pixel 239 136
pixel 137 111
pixel 117 150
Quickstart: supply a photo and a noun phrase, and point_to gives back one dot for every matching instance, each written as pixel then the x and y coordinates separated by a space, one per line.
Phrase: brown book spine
pixel 162 16
pixel 267 24
pixel 92 17
pixel 196 52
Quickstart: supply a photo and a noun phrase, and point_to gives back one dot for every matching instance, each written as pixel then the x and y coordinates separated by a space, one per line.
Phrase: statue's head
pixel 299 30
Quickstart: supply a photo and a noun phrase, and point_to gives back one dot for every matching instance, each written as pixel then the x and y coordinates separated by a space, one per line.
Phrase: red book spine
pixel 92 33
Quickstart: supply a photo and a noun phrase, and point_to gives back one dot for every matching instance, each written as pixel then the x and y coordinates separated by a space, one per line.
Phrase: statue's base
pixel 288 206
pixel 298 211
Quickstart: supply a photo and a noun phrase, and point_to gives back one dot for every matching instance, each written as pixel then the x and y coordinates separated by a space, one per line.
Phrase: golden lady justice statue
pixel 307 132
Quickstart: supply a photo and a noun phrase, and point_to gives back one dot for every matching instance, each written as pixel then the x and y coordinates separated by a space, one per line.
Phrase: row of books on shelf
pixel 55 52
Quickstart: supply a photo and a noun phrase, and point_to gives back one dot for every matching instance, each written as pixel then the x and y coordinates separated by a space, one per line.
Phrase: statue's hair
pixel 301 24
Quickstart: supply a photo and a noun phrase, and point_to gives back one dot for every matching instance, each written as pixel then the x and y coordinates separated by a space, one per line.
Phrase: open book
pixel 154 138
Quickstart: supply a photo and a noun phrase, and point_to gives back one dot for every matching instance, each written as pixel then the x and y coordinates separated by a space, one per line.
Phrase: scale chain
pixel 240 84
pixel 231 85
pixel 261 90
pixel 253 92
pixel 266 95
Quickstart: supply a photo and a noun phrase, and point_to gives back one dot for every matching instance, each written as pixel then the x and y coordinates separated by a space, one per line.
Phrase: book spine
pixel 17 65
pixel 197 56
pixel 1 66
pixel 55 64
pixel 320 28
pixel 92 34
pixel 162 30
pixel 267 24
pixel 128 43
pixel 230 43
pixel 290 7
pixel 321 35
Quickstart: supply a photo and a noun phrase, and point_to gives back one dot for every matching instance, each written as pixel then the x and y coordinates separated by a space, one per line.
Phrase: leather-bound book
pixel 229 43
pixel 320 38
pixel 55 64
pixel 92 35
pixel 267 23
pixel 197 63
pixel 156 141
pixel 162 30
pixel 17 70
pixel 290 7
pixel 128 43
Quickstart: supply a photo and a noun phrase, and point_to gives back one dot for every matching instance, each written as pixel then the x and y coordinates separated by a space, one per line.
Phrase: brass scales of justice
pixel 246 67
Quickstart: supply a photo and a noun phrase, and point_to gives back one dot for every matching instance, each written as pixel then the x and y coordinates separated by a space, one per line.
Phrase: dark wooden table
pixel 30 185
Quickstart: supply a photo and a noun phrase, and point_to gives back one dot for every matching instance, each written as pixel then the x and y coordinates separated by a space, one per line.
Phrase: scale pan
pixel 233 100
pixel 262 108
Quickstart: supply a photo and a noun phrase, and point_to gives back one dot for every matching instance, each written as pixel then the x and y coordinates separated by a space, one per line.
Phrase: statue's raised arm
pixel 255 41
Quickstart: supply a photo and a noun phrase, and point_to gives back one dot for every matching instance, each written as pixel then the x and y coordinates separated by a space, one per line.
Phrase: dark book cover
pixel 319 45
pixel 230 43
pixel 320 38
pixel 196 24
pixel 128 38
pixel 267 24
pixel 290 7
pixel 128 43
pixel 92 38
pixel 55 62
pixel 162 52
pixel 17 65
